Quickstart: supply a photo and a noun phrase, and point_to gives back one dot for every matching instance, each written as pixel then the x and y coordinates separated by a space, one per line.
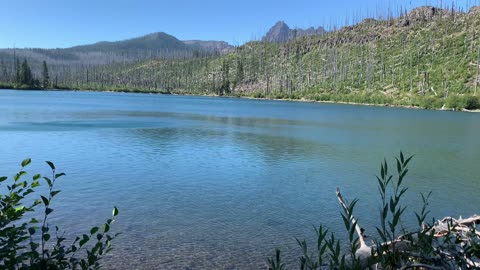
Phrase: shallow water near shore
pixel 218 183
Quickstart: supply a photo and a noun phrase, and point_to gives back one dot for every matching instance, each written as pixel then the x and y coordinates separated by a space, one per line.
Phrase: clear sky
pixel 65 23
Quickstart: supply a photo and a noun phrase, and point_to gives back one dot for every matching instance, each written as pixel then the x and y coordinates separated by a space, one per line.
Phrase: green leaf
pixel 25 162
pixel 399 166
pixel 382 235
pixel 48 211
pixel 408 160
pixel 49 182
pixel 94 230
pixel 18 175
pixel 35 184
pixel 45 200
pixel 55 192
pixel 346 222
pixel 106 228
pixel 28 192
pixel 385 212
pixel 114 211
pixel 403 175
pixel 50 164
pixel 31 230
pixel 36 176
pixel 3 178
pixel 380 184
pixel 59 175
pixel 392 205
pixel 46 237
pixel 84 240
pixel 396 218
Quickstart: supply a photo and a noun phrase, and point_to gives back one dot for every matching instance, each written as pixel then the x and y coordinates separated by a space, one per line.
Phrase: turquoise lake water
pixel 219 183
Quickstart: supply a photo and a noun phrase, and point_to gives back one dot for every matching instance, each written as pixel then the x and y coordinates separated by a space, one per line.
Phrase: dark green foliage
pixel 472 103
pixel 276 263
pixel 36 244
pixel 18 78
pixel 459 102
pixel 4 76
pixel 45 76
pixel 26 76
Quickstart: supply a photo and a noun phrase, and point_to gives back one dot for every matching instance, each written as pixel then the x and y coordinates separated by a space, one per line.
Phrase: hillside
pixel 151 46
pixel 428 57
pixel 152 42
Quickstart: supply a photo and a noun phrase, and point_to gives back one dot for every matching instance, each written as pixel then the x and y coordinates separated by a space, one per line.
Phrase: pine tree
pixel 18 78
pixel 26 76
pixel 45 76
pixel 3 71
pixel 240 72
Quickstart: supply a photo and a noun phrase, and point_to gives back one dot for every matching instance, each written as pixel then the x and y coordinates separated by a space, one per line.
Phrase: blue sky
pixel 65 23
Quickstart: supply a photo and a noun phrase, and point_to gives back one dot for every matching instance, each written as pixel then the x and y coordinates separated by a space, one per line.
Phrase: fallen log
pixel 368 255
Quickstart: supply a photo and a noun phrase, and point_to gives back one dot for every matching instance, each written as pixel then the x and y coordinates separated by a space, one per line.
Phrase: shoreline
pixel 247 97
pixel 363 104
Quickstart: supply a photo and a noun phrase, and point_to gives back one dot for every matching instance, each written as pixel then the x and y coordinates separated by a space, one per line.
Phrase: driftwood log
pixel 447 226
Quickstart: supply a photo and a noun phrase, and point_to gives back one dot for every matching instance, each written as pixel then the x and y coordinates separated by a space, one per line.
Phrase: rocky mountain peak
pixel 281 33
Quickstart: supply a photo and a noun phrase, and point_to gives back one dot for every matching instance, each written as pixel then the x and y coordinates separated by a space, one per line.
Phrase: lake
pixel 219 183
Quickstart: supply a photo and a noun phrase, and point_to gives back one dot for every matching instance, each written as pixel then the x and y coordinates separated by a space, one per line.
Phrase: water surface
pixel 218 183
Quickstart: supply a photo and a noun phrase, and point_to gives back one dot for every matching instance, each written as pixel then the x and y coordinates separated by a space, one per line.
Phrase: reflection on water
pixel 211 183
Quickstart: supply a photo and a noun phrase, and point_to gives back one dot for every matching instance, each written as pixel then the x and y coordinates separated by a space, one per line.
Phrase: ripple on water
pixel 208 183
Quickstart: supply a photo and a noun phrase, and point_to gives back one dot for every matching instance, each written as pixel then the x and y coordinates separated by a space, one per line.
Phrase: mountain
pixel 151 46
pixel 210 45
pixel 429 58
pixel 151 42
pixel 281 33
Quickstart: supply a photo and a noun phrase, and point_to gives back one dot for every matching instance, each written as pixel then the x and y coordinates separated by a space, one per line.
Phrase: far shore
pixel 243 97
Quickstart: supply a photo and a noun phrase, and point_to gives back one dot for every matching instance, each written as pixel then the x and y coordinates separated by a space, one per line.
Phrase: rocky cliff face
pixel 281 33
pixel 211 45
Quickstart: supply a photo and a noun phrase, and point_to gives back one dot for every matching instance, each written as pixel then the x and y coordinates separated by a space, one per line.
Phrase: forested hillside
pixel 428 57
pixel 63 63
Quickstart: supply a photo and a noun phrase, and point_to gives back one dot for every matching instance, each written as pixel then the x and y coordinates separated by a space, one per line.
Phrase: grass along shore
pixel 466 103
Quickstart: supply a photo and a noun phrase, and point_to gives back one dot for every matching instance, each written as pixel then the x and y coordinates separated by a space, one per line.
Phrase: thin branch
pixel 361 238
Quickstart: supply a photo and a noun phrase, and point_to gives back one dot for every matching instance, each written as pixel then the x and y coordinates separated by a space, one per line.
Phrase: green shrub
pixel 445 244
pixel 428 102
pixel 456 102
pixel 472 103
pixel 36 244
pixel 459 102
pixel 258 95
